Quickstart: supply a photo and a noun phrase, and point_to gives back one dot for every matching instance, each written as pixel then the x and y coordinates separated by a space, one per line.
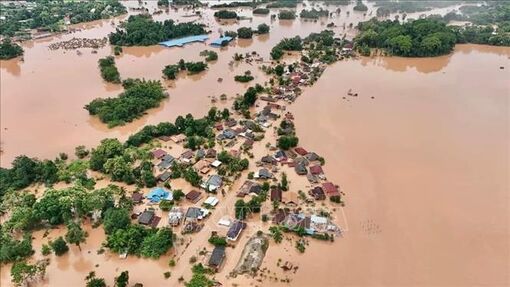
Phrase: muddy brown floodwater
pixel 42 97
pixel 424 163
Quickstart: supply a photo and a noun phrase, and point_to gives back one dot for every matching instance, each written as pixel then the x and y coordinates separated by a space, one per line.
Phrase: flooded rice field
pixel 421 153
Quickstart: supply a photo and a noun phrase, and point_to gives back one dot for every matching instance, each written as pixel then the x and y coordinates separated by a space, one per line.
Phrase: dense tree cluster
pixel 137 240
pixel 139 96
pixel 244 33
pixel 231 164
pixel 25 171
pixel 287 142
pixel 170 71
pixel 286 15
pixel 108 69
pixel 249 98
pixel 235 4
pixel 283 4
pixel 287 44
pixel 360 6
pixel 209 55
pixel 142 30
pixel 263 28
pixel 186 125
pixel 261 11
pixel 164 3
pixel 9 49
pixel 419 38
pixel 49 15
pixel 225 14
pixel 313 13
pixel 246 77
pixel 424 37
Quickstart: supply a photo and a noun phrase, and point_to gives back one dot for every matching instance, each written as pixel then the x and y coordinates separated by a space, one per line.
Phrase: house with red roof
pixel 330 189
pixel 301 151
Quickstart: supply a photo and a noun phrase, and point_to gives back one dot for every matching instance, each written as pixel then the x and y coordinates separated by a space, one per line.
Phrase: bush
pixel 108 69
pixel 244 33
pixel 218 240
pixel 261 11
pixel 287 142
pixel 209 55
pixel 59 246
pixel 286 15
pixel 263 28
pixel 9 50
pixel 225 14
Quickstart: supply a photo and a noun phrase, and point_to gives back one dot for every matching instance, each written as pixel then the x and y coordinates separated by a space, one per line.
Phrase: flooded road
pixel 424 164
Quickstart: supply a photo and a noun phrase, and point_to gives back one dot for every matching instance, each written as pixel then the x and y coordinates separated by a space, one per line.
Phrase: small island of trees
pixel 287 44
pixel 139 96
pixel 423 38
pixel 108 69
pixel 9 49
pixel 225 14
pixel 286 15
pixel 313 14
pixel 142 30
pixel 170 71
pixel 245 78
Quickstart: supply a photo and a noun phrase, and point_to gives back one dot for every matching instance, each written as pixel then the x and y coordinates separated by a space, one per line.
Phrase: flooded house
pixel 235 230
pixel 148 217
pixel 158 154
pixel 263 173
pixel 330 189
pixel 301 151
pixel 317 193
pixel 268 160
pixel 187 156
pixel 210 153
pixel 316 170
pixel 300 168
pixel 213 183
pixel 249 187
pixel 217 258
pixel 175 216
pixel 194 196
pixel 137 197
pixel 165 176
pixel 276 194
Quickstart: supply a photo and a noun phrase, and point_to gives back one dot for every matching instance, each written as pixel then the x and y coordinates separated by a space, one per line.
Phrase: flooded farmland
pixel 421 153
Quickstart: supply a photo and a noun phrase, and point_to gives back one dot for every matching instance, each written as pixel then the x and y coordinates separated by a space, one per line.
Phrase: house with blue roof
pixel 159 193
pixel 222 41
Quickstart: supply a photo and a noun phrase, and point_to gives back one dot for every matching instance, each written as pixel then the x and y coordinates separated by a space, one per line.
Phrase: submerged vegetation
pixel 108 69
pixel 142 30
pixel 225 14
pixel 170 71
pixel 9 50
pixel 139 96
pixel 423 37
pixel 51 15
pixel 287 44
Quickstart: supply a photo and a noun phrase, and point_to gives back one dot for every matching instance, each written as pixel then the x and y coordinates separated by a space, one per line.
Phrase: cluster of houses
pixel 311 224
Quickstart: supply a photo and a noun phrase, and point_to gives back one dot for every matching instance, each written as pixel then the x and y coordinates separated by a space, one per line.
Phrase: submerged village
pixel 218 200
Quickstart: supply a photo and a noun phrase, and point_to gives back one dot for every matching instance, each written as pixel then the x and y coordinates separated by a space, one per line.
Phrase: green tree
pixel 9 49
pixel 116 218
pixel 75 234
pixel 263 28
pixel 59 246
pixel 92 281
pixel 122 280
pixel 244 33
pixel 157 244
pixel 241 209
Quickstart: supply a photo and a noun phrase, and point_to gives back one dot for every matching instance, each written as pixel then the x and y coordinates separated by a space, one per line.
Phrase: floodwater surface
pixel 424 165
pixel 421 153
